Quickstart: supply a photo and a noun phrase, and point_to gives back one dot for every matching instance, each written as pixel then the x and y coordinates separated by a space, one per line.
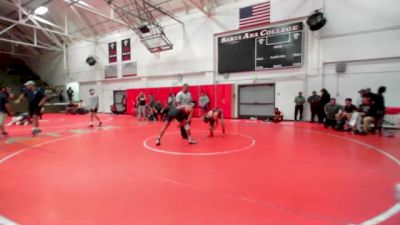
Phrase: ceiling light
pixel 41 10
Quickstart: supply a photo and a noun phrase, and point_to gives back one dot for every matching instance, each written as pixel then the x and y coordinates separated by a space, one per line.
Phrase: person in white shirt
pixel 184 97
pixel 93 107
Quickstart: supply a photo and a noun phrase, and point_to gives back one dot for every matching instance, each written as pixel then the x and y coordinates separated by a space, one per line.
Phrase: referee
pixel 184 97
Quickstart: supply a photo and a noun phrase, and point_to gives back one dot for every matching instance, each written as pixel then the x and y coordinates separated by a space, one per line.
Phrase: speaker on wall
pixel 316 21
pixel 341 67
pixel 144 29
pixel 91 61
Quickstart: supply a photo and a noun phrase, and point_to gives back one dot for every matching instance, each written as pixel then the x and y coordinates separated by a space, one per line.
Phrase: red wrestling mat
pixel 259 173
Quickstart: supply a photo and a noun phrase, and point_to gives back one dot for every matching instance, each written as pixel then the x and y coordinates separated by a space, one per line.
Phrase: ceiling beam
pixel 46 29
pixel 30 44
pixel 100 14
pixel 85 21
pixel 161 10
pixel 18 54
pixel 32 18
pixel 198 7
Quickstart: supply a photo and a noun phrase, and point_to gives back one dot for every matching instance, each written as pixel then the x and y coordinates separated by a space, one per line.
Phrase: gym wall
pixel 351 35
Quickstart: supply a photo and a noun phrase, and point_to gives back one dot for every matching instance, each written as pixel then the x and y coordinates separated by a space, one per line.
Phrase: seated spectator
pixel 158 110
pixel 71 109
pixel 344 116
pixel 113 109
pixel 151 116
pixel 331 110
pixel 366 116
pixel 278 116
pixel 81 108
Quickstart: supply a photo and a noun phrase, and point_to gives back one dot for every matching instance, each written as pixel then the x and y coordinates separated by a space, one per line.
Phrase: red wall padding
pixel 220 96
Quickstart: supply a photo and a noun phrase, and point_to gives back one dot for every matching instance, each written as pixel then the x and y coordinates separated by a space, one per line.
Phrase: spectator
pixel 151 115
pixel 70 94
pixel 152 100
pixel 204 102
pixel 61 95
pixel 171 99
pixel 359 98
pixel 4 111
pixel 379 102
pixel 81 108
pixel 278 116
pixel 299 108
pixel 184 97
pixel 368 93
pixel 141 102
pixel 366 116
pixel 314 100
pixel 331 110
pixel 158 110
pixel 344 116
pixel 123 101
pixel 325 99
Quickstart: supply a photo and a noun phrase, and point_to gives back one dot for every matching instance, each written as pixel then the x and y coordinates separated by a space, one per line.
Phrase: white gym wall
pixel 364 34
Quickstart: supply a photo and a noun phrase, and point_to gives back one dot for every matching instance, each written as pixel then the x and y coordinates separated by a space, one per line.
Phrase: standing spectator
pixel 325 99
pixel 36 99
pixel 299 108
pixel 368 93
pixel 70 94
pixel 204 102
pixel 184 97
pixel 141 102
pixel 93 107
pixel 123 101
pixel 331 110
pixel 171 99
pixel 4 111
pixel 61 95
pixel 314 100
pixel 152 100
pixel 359 98
pixel 379 102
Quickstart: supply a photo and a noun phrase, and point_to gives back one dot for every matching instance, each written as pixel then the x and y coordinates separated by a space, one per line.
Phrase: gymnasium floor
pixel 259 173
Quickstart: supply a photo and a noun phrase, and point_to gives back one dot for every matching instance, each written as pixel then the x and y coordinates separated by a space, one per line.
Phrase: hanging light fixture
pixel 41 10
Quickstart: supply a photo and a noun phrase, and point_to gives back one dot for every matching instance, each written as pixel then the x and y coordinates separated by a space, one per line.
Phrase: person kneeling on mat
pixel 183 114
pixel 213 116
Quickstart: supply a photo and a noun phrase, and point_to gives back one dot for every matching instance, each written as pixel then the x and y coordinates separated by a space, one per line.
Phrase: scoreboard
pixel 273 47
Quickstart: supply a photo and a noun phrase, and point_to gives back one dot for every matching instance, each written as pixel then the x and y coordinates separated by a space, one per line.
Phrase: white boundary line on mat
pixel 222 152
pixel 5 221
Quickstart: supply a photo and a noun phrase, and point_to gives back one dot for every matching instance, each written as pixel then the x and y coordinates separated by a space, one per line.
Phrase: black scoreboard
pixel 272 47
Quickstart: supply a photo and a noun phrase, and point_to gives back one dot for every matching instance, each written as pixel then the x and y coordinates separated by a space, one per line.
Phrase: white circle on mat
pixel 222 152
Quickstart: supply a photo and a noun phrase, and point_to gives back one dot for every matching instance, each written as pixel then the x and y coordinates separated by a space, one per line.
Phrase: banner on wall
pixel 112 52
pixel 110 71
pixel 129 69
pixel 126 49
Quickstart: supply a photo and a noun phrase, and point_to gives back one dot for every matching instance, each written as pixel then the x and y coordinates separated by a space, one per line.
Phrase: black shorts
pixel 35 110
pixel 176 114
pixel 93 110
